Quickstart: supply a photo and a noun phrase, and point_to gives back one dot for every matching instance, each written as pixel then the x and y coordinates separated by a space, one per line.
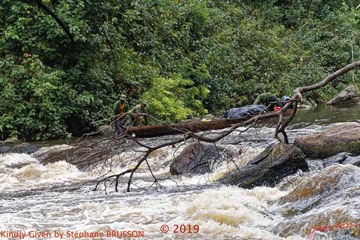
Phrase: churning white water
pixel 56 201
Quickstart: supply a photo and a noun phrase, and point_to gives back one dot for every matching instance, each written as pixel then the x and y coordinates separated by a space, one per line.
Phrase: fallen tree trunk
pixel 195 126
pixel 281 125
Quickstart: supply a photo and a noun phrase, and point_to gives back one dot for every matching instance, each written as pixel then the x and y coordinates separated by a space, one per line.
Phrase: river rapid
pixel 56 200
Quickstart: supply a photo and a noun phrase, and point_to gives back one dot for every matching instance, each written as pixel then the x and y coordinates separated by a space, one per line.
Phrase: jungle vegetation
pixel 63 63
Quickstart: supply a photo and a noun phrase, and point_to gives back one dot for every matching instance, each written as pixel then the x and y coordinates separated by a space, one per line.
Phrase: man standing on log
pixel 120 108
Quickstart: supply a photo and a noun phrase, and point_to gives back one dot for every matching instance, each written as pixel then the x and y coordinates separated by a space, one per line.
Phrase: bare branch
pixel 283 121
pixel 298 92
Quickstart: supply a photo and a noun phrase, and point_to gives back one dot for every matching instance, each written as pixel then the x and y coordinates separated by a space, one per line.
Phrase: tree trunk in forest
pixel 63 26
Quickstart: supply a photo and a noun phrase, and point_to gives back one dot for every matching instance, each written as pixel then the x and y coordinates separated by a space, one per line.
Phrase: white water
pixel 57 198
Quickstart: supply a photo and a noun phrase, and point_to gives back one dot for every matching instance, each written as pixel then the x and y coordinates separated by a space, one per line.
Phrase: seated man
pixel 135 115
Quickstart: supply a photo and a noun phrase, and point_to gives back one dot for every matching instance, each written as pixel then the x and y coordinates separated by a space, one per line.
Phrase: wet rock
pixel 84 154
pixel 80 156
pixel 5 149
pixel 53 154
pixel 267 169
pixel 349 95
pixel 197 158
pixel 18 148
pixel 324 202
pixel 354 160
pixel 12 140
pixel 341 138
pixel 105 130
pixel 341 158
pixel 336 159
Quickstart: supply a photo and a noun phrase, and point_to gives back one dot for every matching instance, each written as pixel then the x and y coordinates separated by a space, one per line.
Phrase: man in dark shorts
pixel 120 108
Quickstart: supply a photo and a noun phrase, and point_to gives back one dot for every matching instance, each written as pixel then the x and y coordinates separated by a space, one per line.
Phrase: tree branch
pixel 280 127
pixel 298 92
pixel 42 6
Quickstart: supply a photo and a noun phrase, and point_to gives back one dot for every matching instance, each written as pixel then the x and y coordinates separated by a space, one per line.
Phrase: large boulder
pixel 341 158
pixel 105 130
pixel 349 95
pixel 341 138
pixel 53 154
pixel 197 158
pixel 268 168
pixel 18 148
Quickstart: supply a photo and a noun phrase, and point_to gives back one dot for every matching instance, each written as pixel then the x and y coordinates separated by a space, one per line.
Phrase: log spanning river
pixel 56 200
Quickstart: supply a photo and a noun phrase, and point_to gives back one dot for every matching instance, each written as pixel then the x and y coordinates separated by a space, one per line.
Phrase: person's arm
pixel 134 110
pixel 133 113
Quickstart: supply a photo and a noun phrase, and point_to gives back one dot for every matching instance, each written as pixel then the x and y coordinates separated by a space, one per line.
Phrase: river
pixel 57 201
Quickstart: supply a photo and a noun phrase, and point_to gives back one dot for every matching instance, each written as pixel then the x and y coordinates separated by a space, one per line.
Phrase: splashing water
pixel 57 198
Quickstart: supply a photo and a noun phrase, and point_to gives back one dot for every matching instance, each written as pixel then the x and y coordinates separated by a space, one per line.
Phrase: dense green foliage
pixel 64 62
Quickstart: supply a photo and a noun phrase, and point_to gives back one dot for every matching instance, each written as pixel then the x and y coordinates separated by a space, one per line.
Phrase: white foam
pixel 35 175
pixel 15 159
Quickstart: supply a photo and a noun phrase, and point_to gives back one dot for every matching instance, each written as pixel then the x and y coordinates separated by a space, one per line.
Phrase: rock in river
pixel 268 168
pixel 340 138
pixel 197 158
